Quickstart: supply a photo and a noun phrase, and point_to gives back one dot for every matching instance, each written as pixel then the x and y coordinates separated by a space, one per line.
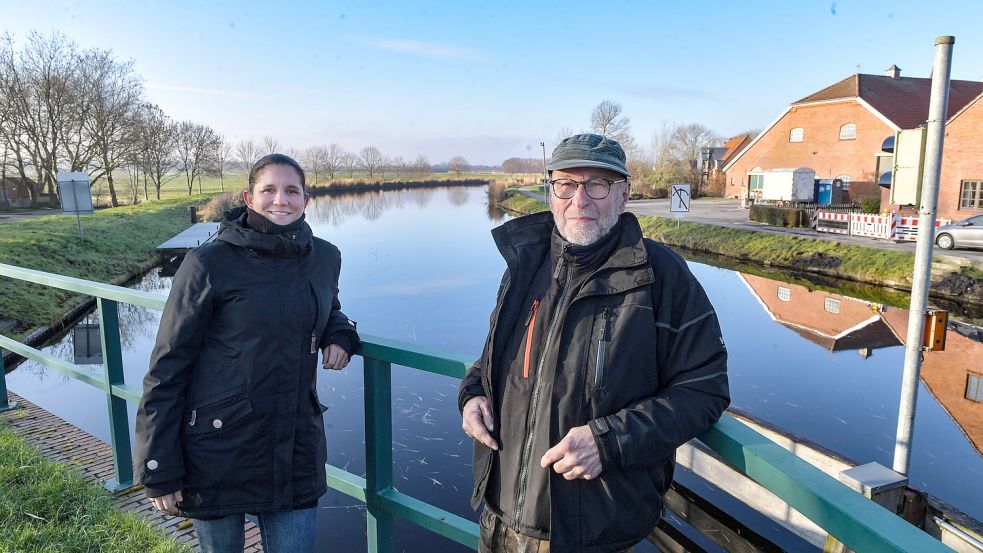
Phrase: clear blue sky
pixel 490 80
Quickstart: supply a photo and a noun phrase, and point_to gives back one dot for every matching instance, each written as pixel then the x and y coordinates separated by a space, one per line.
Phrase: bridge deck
pixel 189 239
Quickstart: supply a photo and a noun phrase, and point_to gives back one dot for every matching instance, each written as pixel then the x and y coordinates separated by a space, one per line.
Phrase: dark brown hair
pixel 275 159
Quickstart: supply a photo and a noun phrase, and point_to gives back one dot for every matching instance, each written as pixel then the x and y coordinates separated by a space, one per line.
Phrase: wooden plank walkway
pixel 65 443
pixel 189 239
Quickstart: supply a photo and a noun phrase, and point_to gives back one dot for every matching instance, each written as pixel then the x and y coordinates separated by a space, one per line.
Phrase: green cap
pixel 589 150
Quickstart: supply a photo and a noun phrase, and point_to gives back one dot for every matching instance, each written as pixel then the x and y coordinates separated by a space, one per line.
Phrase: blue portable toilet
pixel 829 191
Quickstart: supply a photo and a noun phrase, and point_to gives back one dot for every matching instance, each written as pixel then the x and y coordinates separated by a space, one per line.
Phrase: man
pixel 604 355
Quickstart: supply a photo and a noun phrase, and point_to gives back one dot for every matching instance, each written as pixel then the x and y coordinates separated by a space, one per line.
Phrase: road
pixel 728 213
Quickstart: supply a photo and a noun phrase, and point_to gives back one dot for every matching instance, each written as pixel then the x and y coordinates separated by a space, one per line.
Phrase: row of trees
pixel 63 108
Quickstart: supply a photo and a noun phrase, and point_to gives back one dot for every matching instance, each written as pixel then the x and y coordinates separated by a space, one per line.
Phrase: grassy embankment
pixel 119 244
pixel 45 506
pixel 834 259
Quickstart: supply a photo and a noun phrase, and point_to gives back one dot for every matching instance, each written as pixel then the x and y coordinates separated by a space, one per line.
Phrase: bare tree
pixel 371 159
pixel 246 154
pixel 607 120
pixel 422 166
pixel 314 160
pixel 458 164
pixel 398 165
pixel 223 153
pixel 158 142
pixel 270 144
pixel 349 160
pixel 112 122
pixel 195 149
pixel 332 159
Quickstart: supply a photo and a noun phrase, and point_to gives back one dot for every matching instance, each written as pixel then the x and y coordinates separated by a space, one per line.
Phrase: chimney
pixel 894 72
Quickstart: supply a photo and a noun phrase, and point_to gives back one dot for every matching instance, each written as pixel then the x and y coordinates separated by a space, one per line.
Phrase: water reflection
pixel 836 322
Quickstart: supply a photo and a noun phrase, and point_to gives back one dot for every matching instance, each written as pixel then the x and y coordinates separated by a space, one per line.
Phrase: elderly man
pixel 604 355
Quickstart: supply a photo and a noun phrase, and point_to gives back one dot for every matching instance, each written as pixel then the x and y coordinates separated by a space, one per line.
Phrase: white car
pixel 967 233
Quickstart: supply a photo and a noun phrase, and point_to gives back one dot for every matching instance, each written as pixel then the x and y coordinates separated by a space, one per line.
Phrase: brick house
pixel 14 192
pixel 838 132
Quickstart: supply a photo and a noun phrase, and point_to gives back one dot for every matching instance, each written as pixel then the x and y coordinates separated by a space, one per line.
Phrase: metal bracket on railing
pixel 5 403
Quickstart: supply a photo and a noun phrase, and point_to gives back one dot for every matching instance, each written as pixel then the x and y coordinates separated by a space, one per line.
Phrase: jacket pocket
pixel 218 415
pixel 602 335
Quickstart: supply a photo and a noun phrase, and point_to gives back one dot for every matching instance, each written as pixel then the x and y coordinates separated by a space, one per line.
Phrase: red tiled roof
pixel 734 146
pixel 903 100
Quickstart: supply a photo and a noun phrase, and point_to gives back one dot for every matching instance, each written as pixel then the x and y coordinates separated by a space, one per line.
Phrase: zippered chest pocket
pixel 602 342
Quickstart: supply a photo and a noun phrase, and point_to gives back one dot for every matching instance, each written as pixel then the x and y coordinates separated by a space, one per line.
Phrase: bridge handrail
pixel 857 522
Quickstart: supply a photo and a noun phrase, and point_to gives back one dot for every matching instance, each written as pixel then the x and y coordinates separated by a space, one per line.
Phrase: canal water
pixel 419 266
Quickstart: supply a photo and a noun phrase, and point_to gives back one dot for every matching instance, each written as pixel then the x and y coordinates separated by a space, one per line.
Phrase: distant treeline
pixel 362 186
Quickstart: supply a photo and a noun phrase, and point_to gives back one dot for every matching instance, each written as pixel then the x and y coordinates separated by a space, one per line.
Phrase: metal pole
pixel 923 250
pixel 378 453
pixel 5 404
pixel 546 177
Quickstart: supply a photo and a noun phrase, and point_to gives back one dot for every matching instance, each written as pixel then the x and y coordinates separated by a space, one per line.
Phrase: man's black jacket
pixel 663 379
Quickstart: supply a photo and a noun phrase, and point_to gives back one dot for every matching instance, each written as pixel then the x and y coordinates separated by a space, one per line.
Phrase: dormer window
pixel 848 132
pixel 796 135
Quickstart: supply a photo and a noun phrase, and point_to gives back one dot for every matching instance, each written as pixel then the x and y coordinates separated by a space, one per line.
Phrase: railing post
pixel 5 405
pixel 119 424
pixel 378 453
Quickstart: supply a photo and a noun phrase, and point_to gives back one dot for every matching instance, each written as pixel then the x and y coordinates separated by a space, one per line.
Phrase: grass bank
pixel 45 506
pixel 119 245
pixel 951 278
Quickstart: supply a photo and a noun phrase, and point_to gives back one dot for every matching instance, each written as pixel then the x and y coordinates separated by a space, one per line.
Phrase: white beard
pixel 587 235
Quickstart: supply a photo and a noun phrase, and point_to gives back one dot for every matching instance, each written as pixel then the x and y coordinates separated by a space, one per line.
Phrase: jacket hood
pixel 233 230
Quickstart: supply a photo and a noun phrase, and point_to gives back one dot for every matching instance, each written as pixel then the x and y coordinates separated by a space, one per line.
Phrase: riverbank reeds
pixel 119 244
pixel 46 506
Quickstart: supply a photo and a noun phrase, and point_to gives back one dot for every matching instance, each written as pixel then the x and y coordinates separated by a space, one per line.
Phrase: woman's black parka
pixel 230 413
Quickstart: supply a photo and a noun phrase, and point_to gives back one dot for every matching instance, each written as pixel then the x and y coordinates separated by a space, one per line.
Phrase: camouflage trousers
pixel 496 537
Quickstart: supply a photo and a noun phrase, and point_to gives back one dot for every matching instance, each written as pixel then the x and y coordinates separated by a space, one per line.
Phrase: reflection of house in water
pixel 835 322
pixel 830 320
pixel 954 376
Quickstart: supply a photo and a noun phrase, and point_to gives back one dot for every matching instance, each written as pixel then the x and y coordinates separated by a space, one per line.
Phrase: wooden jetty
pixel 172 252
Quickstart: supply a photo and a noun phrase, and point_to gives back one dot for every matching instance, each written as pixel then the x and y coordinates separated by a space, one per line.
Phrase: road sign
pixel 679 198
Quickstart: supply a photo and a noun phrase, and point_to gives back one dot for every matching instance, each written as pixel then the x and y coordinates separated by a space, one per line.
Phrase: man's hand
pixel 167 503
pixel 335 357
pixel 477 421
pixel 576 455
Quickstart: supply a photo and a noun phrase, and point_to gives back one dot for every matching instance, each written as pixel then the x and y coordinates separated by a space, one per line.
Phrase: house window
pixel 831 305
pixel 974 387
pixel 846 181
pixel 848 132
pixel 972 195
pixel 784 294
pixel 755 182
pixel 796 135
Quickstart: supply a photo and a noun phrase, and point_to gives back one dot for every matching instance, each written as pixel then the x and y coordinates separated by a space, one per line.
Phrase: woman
pixel 230 421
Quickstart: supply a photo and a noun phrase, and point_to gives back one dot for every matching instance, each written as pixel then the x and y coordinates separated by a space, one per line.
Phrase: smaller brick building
pixel 838 132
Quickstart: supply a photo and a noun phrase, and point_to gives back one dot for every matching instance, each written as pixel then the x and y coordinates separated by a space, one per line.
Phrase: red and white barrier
pixel 906 228
pixel 872 226
pixel 837 223
pixel 887 227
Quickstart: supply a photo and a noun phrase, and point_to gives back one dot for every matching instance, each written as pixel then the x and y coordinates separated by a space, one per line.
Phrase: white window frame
pixel 784 293
pixel 848 131
pixel 974 198
pixel 974 387
pixel 831 305
pixel 796 135
pixel 846 180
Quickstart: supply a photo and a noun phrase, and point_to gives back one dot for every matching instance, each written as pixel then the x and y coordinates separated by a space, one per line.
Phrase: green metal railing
pixel 854 520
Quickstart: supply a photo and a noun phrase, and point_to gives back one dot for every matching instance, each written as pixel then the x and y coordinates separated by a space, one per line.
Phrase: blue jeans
pixel 281 532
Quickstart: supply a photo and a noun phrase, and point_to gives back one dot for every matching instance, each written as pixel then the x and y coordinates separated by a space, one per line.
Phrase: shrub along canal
pixel 419 265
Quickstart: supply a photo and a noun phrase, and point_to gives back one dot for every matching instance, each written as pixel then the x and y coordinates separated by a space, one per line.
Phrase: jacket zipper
pixel 602 348
pixel 194 417
pixel 317 309
pixel 536 389
pixel 530 324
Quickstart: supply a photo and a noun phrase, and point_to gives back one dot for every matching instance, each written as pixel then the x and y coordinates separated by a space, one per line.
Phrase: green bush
pixel 870 204
pixel 779 216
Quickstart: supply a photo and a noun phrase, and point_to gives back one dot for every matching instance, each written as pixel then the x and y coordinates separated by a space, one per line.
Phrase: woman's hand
pixel 167 503
pixel 335 357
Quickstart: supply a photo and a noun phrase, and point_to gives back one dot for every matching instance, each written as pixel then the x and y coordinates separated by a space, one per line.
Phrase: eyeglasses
pixel 597 189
